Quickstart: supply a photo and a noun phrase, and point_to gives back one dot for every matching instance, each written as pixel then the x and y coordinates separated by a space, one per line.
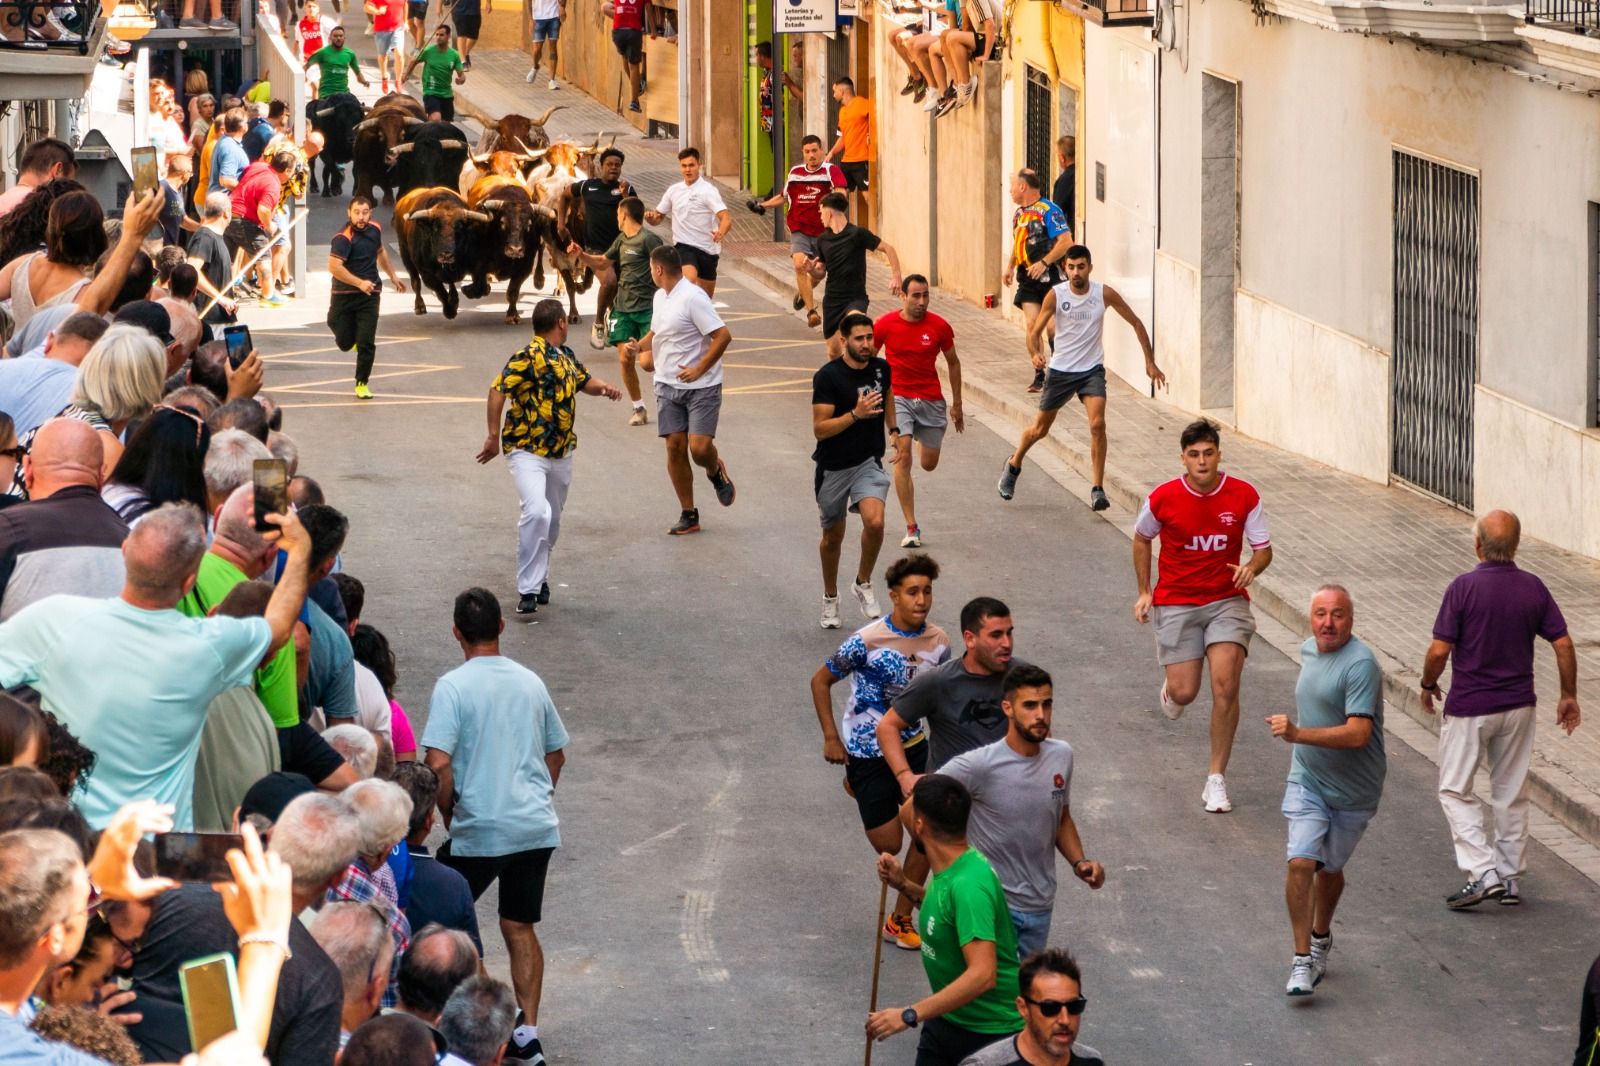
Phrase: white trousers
pixel 542 487
pixel 1507 739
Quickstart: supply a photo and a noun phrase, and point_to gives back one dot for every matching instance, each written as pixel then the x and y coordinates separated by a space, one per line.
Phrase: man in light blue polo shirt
pixel 1335 775
pixel 131 676
pixel 495 740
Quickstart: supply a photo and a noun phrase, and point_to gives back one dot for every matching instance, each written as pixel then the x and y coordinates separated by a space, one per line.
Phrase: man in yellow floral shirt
pixel 541 382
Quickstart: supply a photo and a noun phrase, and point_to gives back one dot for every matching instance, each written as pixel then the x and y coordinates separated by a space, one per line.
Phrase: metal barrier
pixel 1580 16
pixel 276 63
pixel 37 25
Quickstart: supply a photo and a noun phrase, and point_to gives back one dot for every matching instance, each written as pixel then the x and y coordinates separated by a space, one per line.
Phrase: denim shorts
pixel 1323 834
pixel 546 29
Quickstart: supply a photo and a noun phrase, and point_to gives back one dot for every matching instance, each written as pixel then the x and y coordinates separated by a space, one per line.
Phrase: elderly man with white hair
pixel 358 942
pixel 132 676
pixel 230 462
pixel 383 812
pixel 357 745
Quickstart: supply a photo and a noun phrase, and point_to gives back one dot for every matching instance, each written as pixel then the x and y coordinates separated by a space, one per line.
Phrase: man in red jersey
pixel 808 183
pixel 912 340
pixel 1200 606
pixel 627 35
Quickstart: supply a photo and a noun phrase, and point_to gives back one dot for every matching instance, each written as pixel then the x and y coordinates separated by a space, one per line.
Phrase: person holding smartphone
pixel 354 256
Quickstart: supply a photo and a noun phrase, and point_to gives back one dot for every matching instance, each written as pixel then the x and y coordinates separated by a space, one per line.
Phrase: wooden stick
pixel 877 957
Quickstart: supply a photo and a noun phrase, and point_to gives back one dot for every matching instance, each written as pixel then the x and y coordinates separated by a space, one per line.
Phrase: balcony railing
pixel 1119 12
pixel 1579 16
pixel 47 25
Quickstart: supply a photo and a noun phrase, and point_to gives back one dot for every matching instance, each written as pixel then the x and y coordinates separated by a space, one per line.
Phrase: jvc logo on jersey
pixel 1207 542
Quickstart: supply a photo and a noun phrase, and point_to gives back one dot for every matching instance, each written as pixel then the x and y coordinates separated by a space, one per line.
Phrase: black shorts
pixel 944 1044
pixel 833 312
pixel 417 11
pixel 704 263
pixel 629 44
pixel 1030 291
pixel 876 791
pixel 244 235
pixel 521 876
pixel 445 105
pixel 302 750
pixel 855 176
pixel 468 19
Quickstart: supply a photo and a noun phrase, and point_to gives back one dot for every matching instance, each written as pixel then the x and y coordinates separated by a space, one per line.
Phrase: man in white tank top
pixel 1077 309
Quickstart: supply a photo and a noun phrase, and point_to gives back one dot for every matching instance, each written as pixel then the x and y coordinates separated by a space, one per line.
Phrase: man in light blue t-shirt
pixel 495 740
pixel 228 157
pixel 1335 775
pixel 132 677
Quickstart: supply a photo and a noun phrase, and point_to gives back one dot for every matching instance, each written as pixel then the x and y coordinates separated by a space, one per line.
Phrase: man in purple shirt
pixel 1487 621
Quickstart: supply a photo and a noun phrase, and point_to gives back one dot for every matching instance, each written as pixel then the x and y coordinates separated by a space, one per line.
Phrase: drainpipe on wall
pixel 1155 308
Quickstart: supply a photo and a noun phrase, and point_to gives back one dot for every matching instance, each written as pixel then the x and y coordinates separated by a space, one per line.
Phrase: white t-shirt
pixel 373 711
pixel 546 9
pixel 693 210
pixel 681 319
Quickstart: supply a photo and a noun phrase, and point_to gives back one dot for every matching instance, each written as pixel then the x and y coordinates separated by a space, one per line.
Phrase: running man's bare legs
pixel 1312 896
pixel 527 966
pixel 832 546
pixel 1035 432
pixel 1094 408
pixel 903 490
pixel 1183 685
pixel 802 281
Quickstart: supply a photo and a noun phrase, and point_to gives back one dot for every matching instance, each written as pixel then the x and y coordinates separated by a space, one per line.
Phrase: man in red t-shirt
pixel 802 193
pixel 388 16
pixel 627 35
pixel 912 339
pixel 1200 606
pixel 250 231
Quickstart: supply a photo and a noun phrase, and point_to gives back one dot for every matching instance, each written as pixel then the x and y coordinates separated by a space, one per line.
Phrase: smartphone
pixel 210 988
pixel 272 493
pixel 237 338
pixel 195 856
pixel 145 177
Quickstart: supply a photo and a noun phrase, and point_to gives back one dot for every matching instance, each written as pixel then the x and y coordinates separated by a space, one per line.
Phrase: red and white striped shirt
pixel 1202 536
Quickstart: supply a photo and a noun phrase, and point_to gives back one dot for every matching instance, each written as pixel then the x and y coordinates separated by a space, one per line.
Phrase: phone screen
pixel 237 338
pixel 272 490
pixel 195 856
pixel 144 171
pixel 210 1000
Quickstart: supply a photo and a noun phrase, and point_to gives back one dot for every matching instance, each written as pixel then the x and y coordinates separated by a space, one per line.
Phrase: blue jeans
pixel 1033 930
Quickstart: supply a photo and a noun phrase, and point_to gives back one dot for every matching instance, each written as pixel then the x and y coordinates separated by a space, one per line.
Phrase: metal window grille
pixel 1039 106
pixel 1580 16
pixel 1435 325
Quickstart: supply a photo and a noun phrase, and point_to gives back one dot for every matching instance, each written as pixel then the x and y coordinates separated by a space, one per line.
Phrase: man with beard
pixel 1051 1003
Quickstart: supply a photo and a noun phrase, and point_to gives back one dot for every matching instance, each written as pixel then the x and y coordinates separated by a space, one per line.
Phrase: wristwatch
pixel 909 1016
pixel 894 431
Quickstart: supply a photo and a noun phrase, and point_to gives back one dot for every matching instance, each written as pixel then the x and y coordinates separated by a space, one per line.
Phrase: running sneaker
pixel 967 91
pixel 1169 706
pixel 275 300
pixel 362 392
pixel 799 302
pixel 866 600
pixel 543 594
pixel 912 539
pixel 830 612
pixel 532 75
pixel 633 105
pixel 554 85
pixel 1038 382
pixel 1215 795
pixel 1098 500
pixel 910 86
pixel 597 332
pixel 932 103
pixel 722 483
pixel 901 931
pixel 1475 892
pixel 385 83
pixel 947 103
pixel 528 603
pixel 1513 893
pixel 1320 947
pixel 813 320
pixel 531 1053
pixel 920 93
pixel 640 417
pixel 466 63
pixel 688 522
pixel 1008 480
pixel 1300 981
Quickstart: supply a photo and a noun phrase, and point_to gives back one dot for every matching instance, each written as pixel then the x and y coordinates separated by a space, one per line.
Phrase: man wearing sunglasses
pixel 1052 1006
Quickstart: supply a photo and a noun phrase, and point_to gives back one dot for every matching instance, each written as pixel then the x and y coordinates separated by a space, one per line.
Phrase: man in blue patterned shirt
pixel 541 382
pixel 880 659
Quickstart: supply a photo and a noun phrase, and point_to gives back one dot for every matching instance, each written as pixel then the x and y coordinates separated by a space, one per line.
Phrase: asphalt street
pixel 713 901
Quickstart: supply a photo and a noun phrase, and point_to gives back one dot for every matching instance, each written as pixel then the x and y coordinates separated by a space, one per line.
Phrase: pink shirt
pixel 12 197
pixel 405 741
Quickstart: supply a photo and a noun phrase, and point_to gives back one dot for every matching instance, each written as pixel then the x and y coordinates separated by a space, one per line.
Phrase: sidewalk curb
pixel 1552 789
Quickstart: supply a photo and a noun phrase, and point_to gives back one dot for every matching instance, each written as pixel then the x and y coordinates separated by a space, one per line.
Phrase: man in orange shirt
pixel 855 144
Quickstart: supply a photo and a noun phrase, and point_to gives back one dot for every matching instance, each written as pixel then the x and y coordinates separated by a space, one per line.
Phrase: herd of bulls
pixel 502 209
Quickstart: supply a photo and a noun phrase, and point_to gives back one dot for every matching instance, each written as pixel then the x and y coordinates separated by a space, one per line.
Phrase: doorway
pixel 1219 240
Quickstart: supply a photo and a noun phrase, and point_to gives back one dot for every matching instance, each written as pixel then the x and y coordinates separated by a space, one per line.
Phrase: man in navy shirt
pixel 438 893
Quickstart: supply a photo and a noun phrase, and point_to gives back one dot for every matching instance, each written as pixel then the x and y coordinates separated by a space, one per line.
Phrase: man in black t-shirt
pixel 208 254
pixel 851 404
pixel 843 249
pixel 600 198
pixel 354 256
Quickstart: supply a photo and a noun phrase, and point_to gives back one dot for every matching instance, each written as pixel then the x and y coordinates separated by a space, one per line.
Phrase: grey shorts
pixel 839 491
pixel 1184 632
pixel 692 411
pixel 803 243
pixel 923 420
pixel 1059 387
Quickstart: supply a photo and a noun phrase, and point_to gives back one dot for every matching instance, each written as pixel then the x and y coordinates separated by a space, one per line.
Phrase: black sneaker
pixel 1098 500
pixel 755 206
pixel 722 483
pixel 799 302
pixel 1473 893
pixel 947 103
pixel 532 1052
pixel 688 522
pixel 633 105
pixel 543 595
pixel 1008 480
pixel 528 604
pixel 1038 382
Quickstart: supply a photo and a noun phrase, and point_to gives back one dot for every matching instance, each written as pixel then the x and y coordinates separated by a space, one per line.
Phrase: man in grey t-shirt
pixel 960 698
pixel 1020 814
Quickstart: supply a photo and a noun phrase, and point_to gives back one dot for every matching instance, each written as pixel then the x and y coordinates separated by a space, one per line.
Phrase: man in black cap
pixel 154 320
pixel 269 796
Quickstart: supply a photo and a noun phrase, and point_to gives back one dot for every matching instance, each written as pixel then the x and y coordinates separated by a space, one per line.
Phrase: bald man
pixel 65 539
pixel 36 386
pixel 1485 628
pixel 131 676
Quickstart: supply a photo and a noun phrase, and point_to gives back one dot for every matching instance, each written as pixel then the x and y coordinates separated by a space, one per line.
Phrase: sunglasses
pixel 1052 1007
pixel 15 452
pixel 199 423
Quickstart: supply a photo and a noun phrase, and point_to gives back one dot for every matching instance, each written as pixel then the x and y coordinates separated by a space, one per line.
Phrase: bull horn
pixel 476 216
pixel 399 148
pixel 327 111
pixel 426 212
pixel 412 120
pixel 493 205
pixel 541 209
pixel 453 144
pixel 480 161
pixel 363 124
pixel 529 152
pixel 542 119
pixel 613 143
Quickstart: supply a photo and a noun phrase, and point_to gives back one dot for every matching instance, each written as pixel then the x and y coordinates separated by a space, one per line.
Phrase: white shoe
pixel 931 104
pixel 1170 707
pixel 554 85
pixel 1300 982
pixel 1215 795
pixel 531 76
pixel 830 612
pixel 1320 947
pixel 868 602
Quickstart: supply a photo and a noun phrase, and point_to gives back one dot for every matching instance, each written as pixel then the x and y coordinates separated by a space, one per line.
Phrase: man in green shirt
pixel 337 62
pixel 439 61
pixel 629 256
pixel 969 946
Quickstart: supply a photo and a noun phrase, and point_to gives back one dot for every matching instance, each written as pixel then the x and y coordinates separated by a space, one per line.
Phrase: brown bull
pixel 551 182
pixel 522 132
pixel 378 140
pixel 503 164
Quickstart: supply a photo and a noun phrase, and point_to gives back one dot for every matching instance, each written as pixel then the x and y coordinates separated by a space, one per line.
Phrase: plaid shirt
pixel 361 884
